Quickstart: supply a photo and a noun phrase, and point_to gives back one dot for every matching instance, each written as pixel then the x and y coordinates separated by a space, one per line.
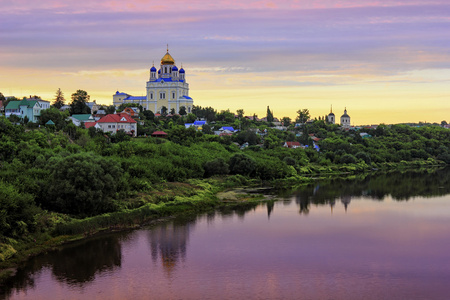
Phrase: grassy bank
pixel 168 200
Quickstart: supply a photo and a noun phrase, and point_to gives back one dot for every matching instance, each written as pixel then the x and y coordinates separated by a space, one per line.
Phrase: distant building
pixel 44 103
pixel 167 87
pixel 78 119
pixel 345 119
pixel 93 106
pixel 24 108
pixel 116 122
pixel 331 118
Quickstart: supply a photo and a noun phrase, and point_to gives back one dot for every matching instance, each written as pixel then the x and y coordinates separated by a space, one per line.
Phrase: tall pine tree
pixel 59 99
pixel 269 115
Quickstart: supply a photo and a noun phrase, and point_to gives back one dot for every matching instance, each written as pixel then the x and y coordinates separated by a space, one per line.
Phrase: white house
pixel 116 122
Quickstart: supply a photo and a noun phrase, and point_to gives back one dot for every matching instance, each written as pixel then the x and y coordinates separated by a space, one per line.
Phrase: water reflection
pixel 401 186
pixel 75 264
pixel 169 241
pixel 167 244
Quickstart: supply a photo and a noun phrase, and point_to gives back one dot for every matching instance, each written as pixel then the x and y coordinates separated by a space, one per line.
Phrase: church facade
pixel 166 89
pixel 345 118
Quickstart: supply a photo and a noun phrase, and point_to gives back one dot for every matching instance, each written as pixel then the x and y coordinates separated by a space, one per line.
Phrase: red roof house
pixel 115 122
pixel 160 134
pixel 292 145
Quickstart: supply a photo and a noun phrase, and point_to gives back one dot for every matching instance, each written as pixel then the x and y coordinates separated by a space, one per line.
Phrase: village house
pixel 24 108
pixel 292 145
pixel 116 122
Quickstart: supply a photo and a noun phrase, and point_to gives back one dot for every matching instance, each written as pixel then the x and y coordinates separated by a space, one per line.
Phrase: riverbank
pixel 167 200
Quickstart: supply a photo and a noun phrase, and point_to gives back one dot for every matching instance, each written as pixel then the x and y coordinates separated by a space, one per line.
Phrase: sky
pixel 386 61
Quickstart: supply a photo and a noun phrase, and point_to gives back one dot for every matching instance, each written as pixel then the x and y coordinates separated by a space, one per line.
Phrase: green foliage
pixel 58 117
pixel 59 99
pixel 242 164
pixel 216 166
pixel 82 184
pixel 347 159
pixel 225 116
pixel 364 156
pixel 248 136
pixel 78 104
pixel 17 211
pixel 303 115
pixel 207 113
pixel 269 115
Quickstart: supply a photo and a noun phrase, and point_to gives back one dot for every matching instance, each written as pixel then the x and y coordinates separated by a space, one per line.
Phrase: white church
pixel 166 87
pixel 345 118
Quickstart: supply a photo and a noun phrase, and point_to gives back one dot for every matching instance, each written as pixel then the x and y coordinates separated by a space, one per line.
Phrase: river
pixel 383 236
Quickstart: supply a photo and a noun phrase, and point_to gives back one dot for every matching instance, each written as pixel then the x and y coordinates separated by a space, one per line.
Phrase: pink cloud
pixel 76 6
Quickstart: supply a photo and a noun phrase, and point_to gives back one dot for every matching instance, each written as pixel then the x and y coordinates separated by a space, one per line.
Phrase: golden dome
pixel 167 59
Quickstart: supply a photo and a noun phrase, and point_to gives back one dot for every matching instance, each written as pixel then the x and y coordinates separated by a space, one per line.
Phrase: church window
pixel 151 96
pixel 173 95
pixel 162 95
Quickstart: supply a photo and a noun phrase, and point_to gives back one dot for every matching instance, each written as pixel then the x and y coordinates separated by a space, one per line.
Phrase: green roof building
pixel 24 108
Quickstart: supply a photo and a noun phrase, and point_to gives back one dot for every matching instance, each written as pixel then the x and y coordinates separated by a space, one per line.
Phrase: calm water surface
pixel 377 237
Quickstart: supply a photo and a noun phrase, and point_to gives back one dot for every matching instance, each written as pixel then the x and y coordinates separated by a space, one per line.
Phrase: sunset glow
pixel 385 61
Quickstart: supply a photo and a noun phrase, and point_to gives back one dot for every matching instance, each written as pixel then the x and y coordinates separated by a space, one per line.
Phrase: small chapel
pixel 166 89
pixel 345 118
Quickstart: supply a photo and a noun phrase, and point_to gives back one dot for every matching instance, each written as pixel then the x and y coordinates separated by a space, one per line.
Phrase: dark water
pixel 374 237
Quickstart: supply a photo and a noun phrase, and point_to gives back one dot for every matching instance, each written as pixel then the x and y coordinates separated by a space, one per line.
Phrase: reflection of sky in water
pixel 376 250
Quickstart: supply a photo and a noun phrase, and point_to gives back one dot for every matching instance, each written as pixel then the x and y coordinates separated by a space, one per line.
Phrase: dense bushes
pixel 242 164
pixel 82 184
pixel 17 212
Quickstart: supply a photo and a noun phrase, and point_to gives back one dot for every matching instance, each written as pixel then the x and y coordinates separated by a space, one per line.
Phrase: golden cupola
pixel 167 59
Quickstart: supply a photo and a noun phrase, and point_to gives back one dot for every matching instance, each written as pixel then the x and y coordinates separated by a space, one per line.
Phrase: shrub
pixel 348 159
pixel 217 166
pixel 364 156
pixel 83 184
pixel 242 164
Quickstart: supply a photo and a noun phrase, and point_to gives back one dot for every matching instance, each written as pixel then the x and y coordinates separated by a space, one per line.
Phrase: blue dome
pixel 174 68
pixel 181 70
pixel 159 71
pixel 153 69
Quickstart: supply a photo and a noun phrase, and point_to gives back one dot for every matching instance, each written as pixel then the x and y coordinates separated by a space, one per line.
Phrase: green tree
pixel 82 184
pixel 53 113
pixel 110 109
pixel 269 115
pixel 302 116
pixel 286 121
pixel 59 99
pixel 240 113
pixel 242 164
pixel 206 129
pixel 14 119
pixel 163 111
pixel 149 115
pixel 248 136
pixel 208 113
pixel 182 111
pixel 216 166
pixel 225 116
pixel 78 104
pixel 17 212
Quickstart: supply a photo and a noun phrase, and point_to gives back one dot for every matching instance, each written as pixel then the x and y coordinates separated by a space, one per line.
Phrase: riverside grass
pixel 201 198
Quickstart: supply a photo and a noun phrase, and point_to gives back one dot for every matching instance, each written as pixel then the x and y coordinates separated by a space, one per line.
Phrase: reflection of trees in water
pixel 399 185
pixel 80 264
pixel 169 241
pixel 75 264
